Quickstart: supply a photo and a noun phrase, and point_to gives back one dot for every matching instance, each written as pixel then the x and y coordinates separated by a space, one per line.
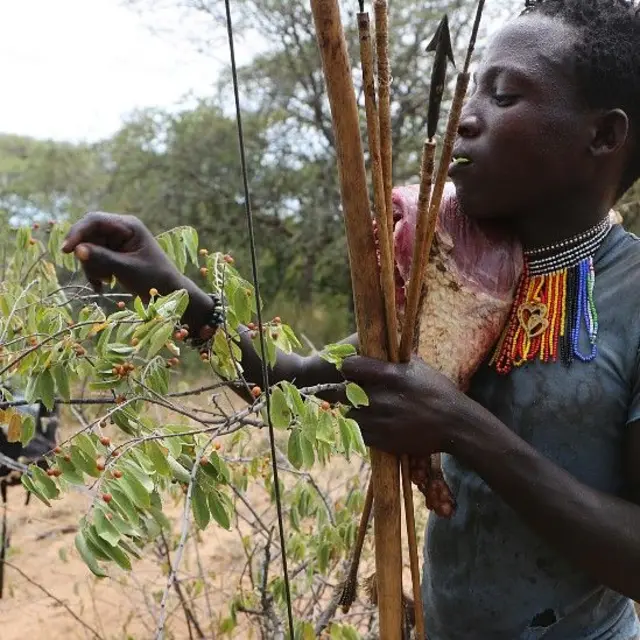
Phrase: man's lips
pixel 459 162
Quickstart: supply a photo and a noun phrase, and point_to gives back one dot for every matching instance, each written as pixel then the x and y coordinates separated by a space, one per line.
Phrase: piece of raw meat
pixel 471 278
pixel 470 281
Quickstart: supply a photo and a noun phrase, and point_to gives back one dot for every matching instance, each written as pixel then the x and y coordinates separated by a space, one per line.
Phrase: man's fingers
pixel 98 228
pixel 365 370
pixel 99 263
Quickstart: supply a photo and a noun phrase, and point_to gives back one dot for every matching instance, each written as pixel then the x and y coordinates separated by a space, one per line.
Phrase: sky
pixel 73 69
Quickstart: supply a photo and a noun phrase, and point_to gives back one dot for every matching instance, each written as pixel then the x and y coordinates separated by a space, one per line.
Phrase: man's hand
pixel 412 409
pixel 110 245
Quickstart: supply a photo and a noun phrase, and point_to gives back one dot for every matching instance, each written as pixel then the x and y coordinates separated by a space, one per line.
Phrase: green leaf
pixel 294 449
pixel 113 553
pixel 140 476
pixel 178 471
pixel 31 487
pixel 135 491
pixel 345 436
pixel 69 472
pixel 105 529
pixel 123 502
pixel 87 556
pixel 221 466
pixel 158 457
pixel 159 337
pixel 43 482
pixel 83 462
pixel 87 445
pixel 190 239
pixel 45 389
pixel 199 506
pixel 308 454
pixel 61 376
pixel 280 413
pixel 356 395
pixel 219 509
pixel 325 431
pixel 294 399
pixel 27 430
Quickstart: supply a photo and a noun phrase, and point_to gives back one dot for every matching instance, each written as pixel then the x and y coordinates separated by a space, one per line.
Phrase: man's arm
pixel 599 533
pixel 305 371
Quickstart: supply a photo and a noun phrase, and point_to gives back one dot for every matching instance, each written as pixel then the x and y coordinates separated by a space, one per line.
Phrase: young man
pixel 543 457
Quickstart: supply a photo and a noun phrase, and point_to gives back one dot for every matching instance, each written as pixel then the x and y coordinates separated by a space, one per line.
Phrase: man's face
pixel 523 128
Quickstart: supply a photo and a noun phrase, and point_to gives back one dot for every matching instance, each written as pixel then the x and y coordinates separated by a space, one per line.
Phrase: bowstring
pixel 256 284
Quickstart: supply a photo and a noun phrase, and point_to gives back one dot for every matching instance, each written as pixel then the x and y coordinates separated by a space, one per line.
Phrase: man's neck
pixel 558 222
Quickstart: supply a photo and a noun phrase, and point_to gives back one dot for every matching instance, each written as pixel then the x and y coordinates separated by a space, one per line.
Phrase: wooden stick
pixel 413 549
pixel 379 196
pixel 381 12
pixel 384 218
pixel 350 585
pixel 369 308
pixel 417 277
pixel 425 228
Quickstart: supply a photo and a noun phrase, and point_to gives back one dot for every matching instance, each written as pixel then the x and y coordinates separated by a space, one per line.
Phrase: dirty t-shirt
pixel 487 576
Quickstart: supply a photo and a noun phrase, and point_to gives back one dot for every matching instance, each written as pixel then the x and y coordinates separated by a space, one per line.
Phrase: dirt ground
pixel 50 593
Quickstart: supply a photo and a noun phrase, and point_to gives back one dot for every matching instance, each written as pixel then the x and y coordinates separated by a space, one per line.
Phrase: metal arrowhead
pixel 441 45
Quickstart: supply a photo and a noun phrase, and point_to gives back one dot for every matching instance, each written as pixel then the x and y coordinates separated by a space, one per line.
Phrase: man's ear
pixel 610 132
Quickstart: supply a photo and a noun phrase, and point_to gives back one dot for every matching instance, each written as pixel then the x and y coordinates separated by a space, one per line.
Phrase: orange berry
pixel 203 252
pixel 178 336
pixel 121 304
pixel 274 335
pixel 184 333
pixel 325 406
pixel 105 440
pixel 99 466
pixel 204 271
pixel 256 392
pixel 50 472
pixel 32 241
pixel 251 326
pixel 67 458
pixel 57 473
pixel 115 371
pixel 108 516
pixel 153 292
pixel 36 226
pixel 277 320
pixel 33 341
pixel 135 342
pixel 204 461
pixel 103 423
pixel 117 473
pixel 217 446
pixel 228 259
pixel 107 497
pixel 120 399
pixel 204 357
pixel 57 450
pixel 115 453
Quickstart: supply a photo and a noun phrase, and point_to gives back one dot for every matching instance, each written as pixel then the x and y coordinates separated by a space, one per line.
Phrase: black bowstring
pixel 256 284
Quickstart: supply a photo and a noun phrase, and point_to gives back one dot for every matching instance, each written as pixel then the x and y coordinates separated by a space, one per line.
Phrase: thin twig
pixel 55 598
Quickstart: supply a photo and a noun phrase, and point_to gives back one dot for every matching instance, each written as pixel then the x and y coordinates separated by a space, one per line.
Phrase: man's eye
pixel 504 99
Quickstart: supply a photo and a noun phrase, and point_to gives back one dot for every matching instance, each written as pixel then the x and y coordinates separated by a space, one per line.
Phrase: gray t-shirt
pixel 487 576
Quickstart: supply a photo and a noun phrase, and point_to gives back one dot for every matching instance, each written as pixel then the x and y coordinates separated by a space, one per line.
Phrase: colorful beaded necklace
pixel 553 302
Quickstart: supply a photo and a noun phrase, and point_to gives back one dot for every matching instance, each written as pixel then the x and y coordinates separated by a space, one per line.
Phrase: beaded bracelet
pixel 214 321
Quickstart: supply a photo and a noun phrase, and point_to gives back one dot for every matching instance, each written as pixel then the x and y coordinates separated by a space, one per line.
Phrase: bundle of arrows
pixel 420 263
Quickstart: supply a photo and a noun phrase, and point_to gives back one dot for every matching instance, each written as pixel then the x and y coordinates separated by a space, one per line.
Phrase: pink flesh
pixel 486 261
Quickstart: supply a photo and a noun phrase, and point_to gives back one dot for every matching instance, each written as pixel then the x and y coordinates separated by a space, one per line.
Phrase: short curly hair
pixel 607 59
